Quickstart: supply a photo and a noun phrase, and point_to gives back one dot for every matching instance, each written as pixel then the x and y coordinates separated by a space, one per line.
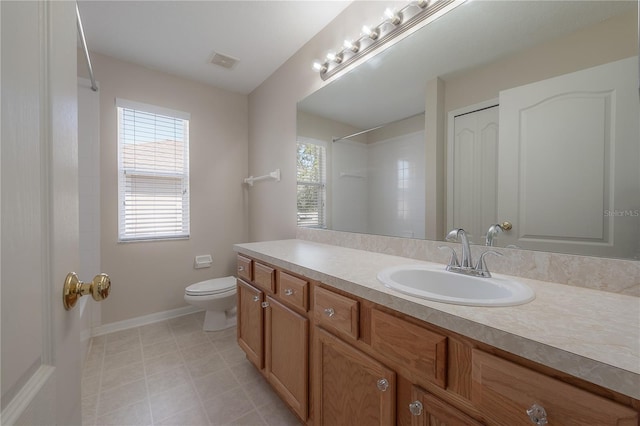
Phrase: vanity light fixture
pixel 414 13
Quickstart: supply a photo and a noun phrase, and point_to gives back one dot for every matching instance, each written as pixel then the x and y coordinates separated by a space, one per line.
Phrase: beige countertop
pixel 590 334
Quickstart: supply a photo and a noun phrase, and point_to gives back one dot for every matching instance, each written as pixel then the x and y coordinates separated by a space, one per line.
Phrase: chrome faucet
pixel 494 230
pixel 461 235
pixel 465 266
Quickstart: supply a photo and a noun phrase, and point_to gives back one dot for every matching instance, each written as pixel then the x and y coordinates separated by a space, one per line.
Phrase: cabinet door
pixel 350 388
pixel 508 394
pixel 428 410
pixel 251 323
pixel 287 354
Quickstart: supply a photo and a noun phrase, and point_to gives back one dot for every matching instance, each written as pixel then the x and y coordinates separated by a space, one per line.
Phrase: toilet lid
pixel 213 286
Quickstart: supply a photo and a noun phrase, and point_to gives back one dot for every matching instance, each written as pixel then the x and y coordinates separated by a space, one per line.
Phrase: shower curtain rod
pixel 85 49
pixel 335 139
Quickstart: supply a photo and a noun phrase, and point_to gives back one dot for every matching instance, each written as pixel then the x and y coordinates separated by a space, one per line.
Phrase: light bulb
pixel 372 34
pixel 337 58
pixel 393 16
pixel 319 67
pixel 354 47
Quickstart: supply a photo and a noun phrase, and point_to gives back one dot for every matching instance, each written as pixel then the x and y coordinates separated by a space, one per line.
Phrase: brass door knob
pixel 73 289
pixel 506 226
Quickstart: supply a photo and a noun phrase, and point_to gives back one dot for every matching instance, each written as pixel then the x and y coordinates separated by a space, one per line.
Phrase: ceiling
pixel 181 37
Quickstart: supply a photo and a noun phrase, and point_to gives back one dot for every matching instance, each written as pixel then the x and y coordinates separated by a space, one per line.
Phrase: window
pixel 153 172
pixel 311 184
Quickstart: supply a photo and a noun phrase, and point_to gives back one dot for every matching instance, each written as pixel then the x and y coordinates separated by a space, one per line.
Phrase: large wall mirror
pixel 500 111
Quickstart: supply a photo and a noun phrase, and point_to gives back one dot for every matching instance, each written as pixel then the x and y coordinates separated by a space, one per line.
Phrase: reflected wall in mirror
pixel 519 111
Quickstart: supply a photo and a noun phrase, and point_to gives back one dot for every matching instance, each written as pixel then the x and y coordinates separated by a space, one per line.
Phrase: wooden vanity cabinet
pixel 264 277
pixel 350 387
pixel 505 391
pixel 364 364
pixel 421 351
pixel 428 410
pixel 251 323
pixel 244 268
pixel 287 354
pixel 273 330
pixel 336 313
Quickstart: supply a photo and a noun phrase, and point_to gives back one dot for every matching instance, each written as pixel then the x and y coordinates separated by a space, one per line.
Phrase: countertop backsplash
pixel 611 275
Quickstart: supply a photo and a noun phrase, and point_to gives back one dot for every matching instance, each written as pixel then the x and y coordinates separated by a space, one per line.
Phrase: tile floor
pixel 173 373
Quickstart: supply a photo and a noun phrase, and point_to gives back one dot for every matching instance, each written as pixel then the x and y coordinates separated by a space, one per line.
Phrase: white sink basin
pixel 435 283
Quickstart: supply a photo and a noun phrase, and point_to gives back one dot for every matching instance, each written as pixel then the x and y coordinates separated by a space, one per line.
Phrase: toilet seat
pixel 211 287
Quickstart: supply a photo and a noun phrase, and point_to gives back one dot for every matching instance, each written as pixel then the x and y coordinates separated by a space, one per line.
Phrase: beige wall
pixel 397 128
pixel 150 277
pixel 610 40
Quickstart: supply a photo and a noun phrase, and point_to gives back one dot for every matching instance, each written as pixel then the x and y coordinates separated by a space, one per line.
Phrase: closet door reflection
pixel 568 162
pixel 475 172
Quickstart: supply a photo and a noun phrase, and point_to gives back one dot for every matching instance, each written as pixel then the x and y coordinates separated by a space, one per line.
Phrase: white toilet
pixel 218 297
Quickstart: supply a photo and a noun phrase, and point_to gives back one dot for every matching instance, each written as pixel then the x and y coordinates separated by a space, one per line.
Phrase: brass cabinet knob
pixel 74 289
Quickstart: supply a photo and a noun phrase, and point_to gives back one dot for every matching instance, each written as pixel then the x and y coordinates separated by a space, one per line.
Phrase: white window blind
pixel 311 178
pixel 153 172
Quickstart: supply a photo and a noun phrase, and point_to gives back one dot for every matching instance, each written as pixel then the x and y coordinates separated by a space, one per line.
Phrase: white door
pixel 41 360
pixel 569 162
pixel 473 172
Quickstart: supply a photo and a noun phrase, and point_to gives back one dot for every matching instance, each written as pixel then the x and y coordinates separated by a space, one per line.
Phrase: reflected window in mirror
pixel 311 181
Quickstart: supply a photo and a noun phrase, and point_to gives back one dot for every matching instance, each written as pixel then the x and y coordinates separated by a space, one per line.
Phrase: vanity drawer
pixel 418 349
pixel 264 277
pixel 244 268
pixel 336 312
pixel 504 391
pixel 293 290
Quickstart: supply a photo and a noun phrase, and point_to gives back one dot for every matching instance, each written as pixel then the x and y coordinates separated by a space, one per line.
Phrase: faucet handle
pixel 454 258
pixel 481 266
pixel 453 234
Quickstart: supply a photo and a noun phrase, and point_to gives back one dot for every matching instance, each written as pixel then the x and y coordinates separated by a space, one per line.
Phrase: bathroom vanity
pixel 340 348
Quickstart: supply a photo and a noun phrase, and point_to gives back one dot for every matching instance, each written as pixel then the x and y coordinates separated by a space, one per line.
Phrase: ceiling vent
pixel 224 60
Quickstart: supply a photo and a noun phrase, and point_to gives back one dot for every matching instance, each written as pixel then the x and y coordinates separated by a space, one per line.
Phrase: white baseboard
pixel 143 320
